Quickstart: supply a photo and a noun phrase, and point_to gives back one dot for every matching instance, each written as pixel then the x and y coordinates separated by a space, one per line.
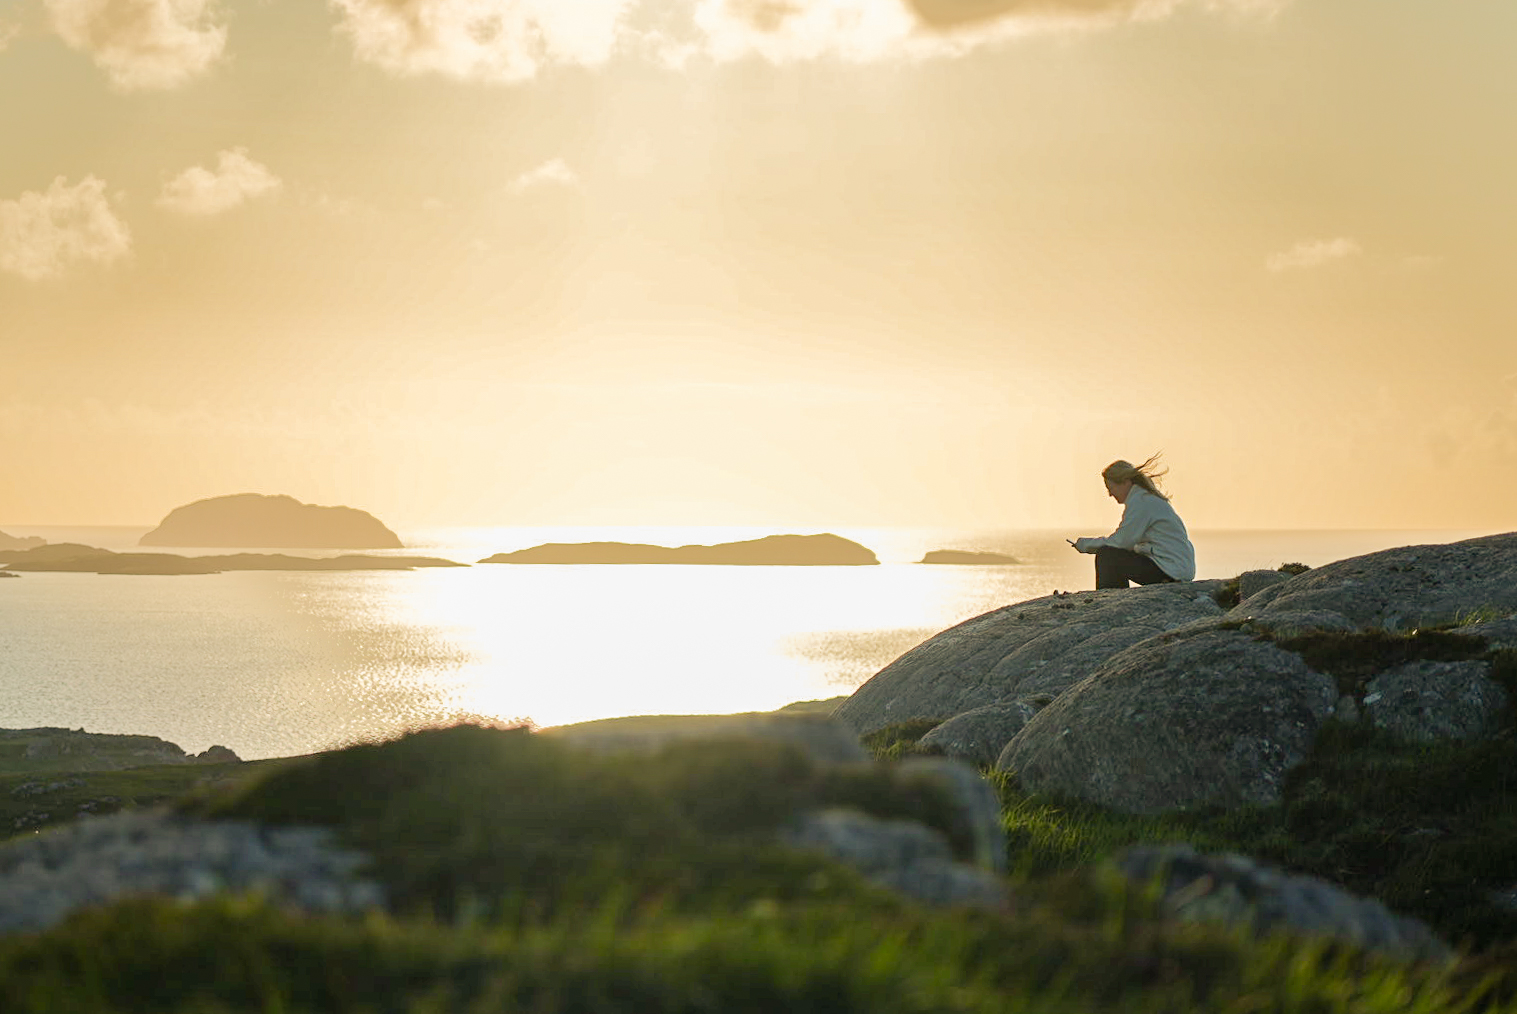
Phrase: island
pixel 961 556
pixel 825 550
pixel 71 557
pixel 258 521
pixel 8 541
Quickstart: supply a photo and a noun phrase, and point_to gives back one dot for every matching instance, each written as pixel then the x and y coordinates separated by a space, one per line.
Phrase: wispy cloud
pixel 552 173
pixel 202 191
pixel 507 41
pixel 41 234
pixel 8 32
pixel 1073 12
pixel 485 40
pixel 1313 253
pixel 143 44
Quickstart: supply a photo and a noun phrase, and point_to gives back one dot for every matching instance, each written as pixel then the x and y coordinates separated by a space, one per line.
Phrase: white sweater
pixel 1150 526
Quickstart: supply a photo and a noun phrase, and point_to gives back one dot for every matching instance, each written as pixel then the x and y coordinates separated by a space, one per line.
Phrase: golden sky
pixel 774 262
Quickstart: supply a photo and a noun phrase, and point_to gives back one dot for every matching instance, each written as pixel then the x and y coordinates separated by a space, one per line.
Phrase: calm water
pixel 273 664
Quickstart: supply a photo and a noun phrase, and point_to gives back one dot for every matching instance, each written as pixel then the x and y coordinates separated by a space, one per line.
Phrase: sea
pixel 274 664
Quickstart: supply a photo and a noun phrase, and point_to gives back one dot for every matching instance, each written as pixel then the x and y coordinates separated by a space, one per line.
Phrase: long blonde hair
pixel 1146 475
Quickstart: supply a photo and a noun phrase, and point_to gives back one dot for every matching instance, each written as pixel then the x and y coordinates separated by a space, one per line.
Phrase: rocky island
pixel 256 521
pixel 963 557
pixel 825 550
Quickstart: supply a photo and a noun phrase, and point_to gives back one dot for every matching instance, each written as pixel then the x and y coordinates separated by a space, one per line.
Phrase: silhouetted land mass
pixel 825 550
pixel 72 557
pixel 960 556
pixel 35 751
pixel 253 520
pixel 20 541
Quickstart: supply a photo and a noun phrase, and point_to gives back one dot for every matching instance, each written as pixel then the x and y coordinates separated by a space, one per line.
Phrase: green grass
pixel 33 800
pixel 528 876
pixel 1429 830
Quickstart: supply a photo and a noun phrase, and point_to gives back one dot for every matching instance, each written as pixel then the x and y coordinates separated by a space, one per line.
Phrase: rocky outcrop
pixel 97 860
pixel 1233 890
pixel 825 550
pixel 1400 589
pixel 1207 719
pixel 256 521
pixel 50 749
pixel 1032 651
pixel 965 557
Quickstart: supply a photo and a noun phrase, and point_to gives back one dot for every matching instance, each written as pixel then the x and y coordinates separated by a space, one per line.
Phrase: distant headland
pixel 257 521
pixel 19 541
pixel 70 557
pixel 824 550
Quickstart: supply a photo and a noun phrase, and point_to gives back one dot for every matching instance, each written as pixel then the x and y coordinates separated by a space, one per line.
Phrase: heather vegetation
pixel 522 874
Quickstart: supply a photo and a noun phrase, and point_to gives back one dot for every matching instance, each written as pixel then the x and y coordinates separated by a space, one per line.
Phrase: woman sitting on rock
pixel 1150 546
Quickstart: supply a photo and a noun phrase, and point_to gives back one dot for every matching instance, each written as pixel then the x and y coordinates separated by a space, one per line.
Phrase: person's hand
pixel 1083 545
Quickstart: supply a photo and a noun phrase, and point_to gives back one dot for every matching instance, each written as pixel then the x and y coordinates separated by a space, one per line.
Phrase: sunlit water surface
pixel 273 664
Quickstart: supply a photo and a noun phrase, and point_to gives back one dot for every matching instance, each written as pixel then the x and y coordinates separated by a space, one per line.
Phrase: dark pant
pixel 1115 567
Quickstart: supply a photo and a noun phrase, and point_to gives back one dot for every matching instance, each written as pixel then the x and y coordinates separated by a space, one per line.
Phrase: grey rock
pixel 1407 587
pixel 1252 582
pixel 96 860
pixel 1039 647
pixel 1290 623
pixel 898 854
pixel 1234 890
pixel 975 805
pixel 1214 718
pixel 823 738
pixel 1499 634
pixel 1426 700
pixel 977 737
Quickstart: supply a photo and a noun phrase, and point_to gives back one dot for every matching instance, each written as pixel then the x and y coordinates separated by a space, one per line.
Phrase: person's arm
pixel 1136 520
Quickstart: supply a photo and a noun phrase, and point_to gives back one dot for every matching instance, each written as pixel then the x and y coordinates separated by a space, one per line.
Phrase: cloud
pixel 552 173
pixel 484 40
pixel 783 31
pixel 201 191
pixel 8 32
pixel 507 41
pixel 1313 253
pixel 41 234
pixel 944 13
pixel 142 44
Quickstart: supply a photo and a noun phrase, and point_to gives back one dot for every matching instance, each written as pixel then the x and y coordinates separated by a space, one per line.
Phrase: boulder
pixel 1233 890
pixel 1210 717
pixel 978 736
pixel 253 520
pixel 1252 582
pixel 1403 588
pixel 824 550
pixel 1429 700
pixel 901 855
pixel 1036 649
